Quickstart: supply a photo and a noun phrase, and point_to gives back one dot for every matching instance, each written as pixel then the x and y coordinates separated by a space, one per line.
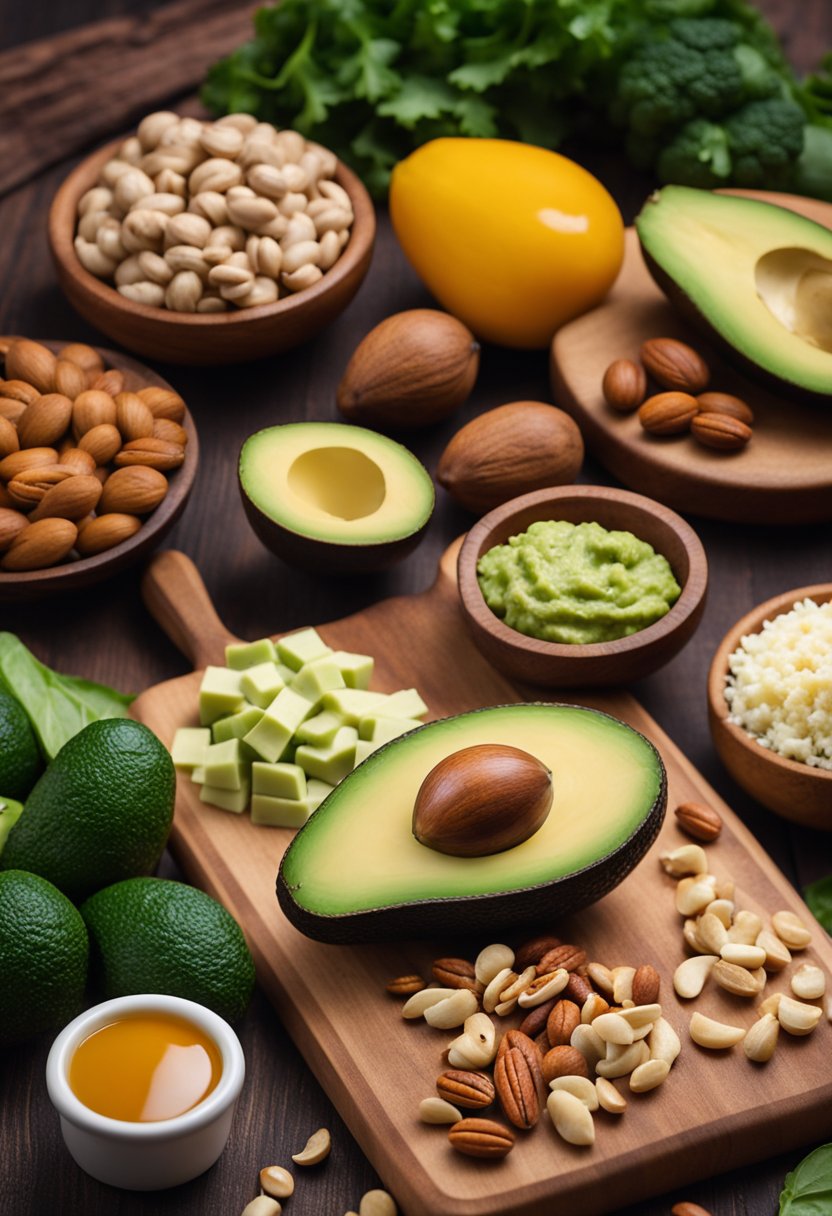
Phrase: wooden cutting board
pixel 715 1112
pixel 783 476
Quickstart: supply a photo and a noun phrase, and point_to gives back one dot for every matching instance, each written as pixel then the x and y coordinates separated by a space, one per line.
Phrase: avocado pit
pixel 482 800
pixel 796 287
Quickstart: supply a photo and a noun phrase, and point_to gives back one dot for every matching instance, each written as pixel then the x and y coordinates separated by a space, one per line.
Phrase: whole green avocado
pixel 101 812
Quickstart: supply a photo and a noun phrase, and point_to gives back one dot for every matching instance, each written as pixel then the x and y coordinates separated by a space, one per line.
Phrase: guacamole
pixel 576 583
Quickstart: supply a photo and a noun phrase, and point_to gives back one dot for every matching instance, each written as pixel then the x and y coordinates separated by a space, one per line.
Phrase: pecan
pixel 514 1040
pixel 456 973
pixel 577 989
pixel 405 985
pixel 700 822
pixel 517 1089
pixel 533 951
pixel 674 364
pixel 646 985
pixel 535 1019
pixel 541 1042
pixel 463 1087
pixel 567 957
pixel 563 1019
pixel 481 1138
pixel 720 431
pixel 670 413
pixel 564 1061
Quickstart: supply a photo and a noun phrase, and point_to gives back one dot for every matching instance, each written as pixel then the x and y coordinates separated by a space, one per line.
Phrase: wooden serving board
pixel 784 475
pixel 715 1111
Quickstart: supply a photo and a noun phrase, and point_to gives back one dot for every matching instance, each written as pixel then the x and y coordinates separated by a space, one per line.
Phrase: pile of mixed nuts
pixel 198 216
pixel 82 460
pixel 719 421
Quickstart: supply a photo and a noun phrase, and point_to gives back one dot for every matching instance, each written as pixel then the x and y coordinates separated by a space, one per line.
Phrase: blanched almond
pixel 796 1017
pixel 790 929
pixel 808 982
pixel 609 1099
pixel 570 1118
pixel 690 976
pixel 714 1035
pixel 760 1041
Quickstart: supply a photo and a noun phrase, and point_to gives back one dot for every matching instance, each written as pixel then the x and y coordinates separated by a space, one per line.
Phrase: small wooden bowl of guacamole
pixel 579 586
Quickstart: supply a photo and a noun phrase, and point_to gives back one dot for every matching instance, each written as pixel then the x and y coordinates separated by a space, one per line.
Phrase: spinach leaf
pixel 807 1190
pixel 58 706
pixel 818 896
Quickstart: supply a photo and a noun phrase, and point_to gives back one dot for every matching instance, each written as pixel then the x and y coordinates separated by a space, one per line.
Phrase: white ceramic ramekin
pixel 146 1156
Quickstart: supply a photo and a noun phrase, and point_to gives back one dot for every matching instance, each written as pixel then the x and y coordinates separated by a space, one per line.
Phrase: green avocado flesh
pixel 356 872
pixel 337 483
pixel 754 276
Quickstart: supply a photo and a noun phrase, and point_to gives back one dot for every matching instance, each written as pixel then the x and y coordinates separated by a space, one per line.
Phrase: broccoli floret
pixel 758 145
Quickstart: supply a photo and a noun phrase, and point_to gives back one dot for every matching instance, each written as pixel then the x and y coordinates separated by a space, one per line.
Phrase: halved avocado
pixel 355 872
pixel 334 497
pixel 754 277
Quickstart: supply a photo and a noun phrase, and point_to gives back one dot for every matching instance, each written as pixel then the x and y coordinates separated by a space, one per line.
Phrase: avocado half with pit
pixel 333 497
pixel 754 277
pixel 355 872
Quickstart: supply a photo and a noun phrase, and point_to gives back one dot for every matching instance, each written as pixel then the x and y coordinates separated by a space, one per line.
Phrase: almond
pixel 72 498
pixel 92 408
pixel 688 1209
pixel 133 491
pixel 481 1138
pixel 85 356
pixel 11 410
pixel 29 486
pixel 724 403
pixel 564 1061
pixel 9 441
pixel 32 362
pixel 517 1088
pixel 44 421
pixel 646 985
pixel 11 522
pixel 111 381
pixel 78 460
pixel 720 431
pixel 70 379
pixel 466 1088
pixel 154 453
pixel 624 385
pixel 102 442
pixel 39 545
pixel 668 413
pixel 19 390
pixel 33 458
pixel 563 1019
pixel 166 428
pixel 133 417
pixel 675 365
pixel 105 532
pixel 163 403
pixel 700 822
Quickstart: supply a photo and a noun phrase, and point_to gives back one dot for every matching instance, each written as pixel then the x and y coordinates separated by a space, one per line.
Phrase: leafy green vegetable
pixel 818 896
pixel 807 1190
pixel 58 706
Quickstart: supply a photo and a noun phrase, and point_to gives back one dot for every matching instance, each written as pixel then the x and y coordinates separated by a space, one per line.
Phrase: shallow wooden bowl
pixel 195 338
pixel 788 787
pixel 554 664
pixel 83 572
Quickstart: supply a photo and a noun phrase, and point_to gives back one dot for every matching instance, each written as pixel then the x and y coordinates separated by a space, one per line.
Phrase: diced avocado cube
pixel 279 812
pixel 406 703
pixel 353 704
pixel 220 694
pixel 314 679
pixel 278 780
pixel 357 669
pixel 286 673
pixel 330 763
pixel 262 683
pixel 316 791
pixel 381 729
pixel 237 725
pixel 363 749
pixel 227 800
pixel 321 729
pixel 242 655
pixel 188 747
pixel 226 765
pixel 198 775
pixel 302 647
pixel 274 731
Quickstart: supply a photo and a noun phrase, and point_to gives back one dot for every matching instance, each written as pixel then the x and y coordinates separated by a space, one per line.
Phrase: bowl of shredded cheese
pixel 770 704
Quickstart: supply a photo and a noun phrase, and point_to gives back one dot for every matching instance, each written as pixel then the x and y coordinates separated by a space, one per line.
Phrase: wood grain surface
pixel 107 634
pixel 783 475
pixel 715 1109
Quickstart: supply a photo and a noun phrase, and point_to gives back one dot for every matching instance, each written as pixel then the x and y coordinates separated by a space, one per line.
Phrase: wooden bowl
pixel 83 572
pixel 209 338
pixel 788 787
pixel 558 665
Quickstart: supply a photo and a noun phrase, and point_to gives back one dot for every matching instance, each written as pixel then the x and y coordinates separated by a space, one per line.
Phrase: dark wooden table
pixel 106 634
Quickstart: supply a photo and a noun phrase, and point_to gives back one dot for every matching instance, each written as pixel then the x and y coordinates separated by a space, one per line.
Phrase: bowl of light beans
pixel 204 242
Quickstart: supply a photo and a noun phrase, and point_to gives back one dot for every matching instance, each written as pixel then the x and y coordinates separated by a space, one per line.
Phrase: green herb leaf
pixel 807 1190
pixel 58 706
pixel 818 896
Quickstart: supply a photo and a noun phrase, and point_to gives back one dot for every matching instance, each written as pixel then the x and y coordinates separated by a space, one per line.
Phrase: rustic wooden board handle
pixel 178 600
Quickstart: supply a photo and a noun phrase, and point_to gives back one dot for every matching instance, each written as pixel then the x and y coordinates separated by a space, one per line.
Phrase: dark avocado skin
pixel 484 913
